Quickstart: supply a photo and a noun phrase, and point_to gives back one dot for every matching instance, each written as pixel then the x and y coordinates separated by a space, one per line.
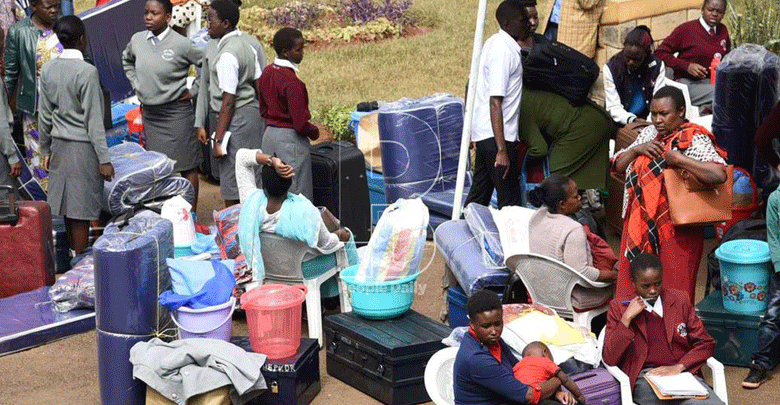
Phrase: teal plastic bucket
pixel 744 275
pixel 182 251
pixel 379 300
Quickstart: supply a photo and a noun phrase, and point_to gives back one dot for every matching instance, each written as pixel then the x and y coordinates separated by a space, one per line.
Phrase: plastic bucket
pixel 273 314
pixel 379 300
pixel 744 274
pixel 214 322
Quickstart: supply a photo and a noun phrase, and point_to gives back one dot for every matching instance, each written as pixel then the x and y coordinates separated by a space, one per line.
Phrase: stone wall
pixel 621 16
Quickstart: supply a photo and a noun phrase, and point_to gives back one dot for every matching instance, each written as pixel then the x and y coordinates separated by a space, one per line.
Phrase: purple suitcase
pixel 599 387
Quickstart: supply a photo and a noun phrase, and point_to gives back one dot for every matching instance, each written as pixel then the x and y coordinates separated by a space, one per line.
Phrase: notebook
pixel 676 386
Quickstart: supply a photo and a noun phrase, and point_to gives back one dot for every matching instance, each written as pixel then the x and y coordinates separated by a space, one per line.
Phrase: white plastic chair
pixel 283 257
pixel 627 397
pixel 551 282
pixel 438 376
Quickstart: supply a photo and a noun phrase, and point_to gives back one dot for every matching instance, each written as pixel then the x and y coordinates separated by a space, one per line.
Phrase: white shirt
pixel 612 98
pixel 71 54
pixel 156 39
pixel 227 67
pixel 286 63
pixel 706 26
pixel 500 74
pixel 658 307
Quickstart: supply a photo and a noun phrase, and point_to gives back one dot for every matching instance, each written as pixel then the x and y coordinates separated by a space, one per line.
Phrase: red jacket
pixel 689 342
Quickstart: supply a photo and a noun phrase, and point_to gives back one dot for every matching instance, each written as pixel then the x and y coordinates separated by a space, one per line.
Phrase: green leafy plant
pixel 336 120
pixel 757 23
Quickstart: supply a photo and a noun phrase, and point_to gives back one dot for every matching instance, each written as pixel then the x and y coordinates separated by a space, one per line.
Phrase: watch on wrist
pixel 269 162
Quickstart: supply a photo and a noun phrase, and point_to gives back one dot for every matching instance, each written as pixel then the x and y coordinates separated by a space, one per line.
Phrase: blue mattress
pixel 462 255
pixel 420 138
pixel 130 273
pixel 29 319
pixel 480 223
pixel 141 176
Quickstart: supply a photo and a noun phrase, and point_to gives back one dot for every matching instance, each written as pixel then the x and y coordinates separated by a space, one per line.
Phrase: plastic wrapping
pixel 746 89
pixel 115 372
pixel 76 288
pixel 226 222
pixel 396 246
pixel 29 319
pixel 141 177
pixel 462 254
pixel 420 138
pixel 480 222
pixel 130 273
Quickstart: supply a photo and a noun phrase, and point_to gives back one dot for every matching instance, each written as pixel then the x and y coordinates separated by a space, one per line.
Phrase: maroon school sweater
pixel 693 45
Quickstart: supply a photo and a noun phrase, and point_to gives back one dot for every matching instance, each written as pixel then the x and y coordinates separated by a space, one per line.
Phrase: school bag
pixel 745 229
pixel 560 69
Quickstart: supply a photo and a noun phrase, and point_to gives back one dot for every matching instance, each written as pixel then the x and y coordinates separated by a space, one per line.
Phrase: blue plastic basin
pixel 744 275
pixel 379 300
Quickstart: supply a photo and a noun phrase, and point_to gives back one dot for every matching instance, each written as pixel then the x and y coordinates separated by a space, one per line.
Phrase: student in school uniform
pixel 157 62
pixel 284 103
pixel 230 80
pixel 202 106
pixel 73 139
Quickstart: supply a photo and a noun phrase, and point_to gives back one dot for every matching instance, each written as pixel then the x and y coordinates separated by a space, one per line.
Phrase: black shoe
pixel 755 377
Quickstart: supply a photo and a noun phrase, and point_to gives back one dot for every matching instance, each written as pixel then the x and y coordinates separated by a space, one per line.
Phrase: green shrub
pixel 336 120
pixel 757 23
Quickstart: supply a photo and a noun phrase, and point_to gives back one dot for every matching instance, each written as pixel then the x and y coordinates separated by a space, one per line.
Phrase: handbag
pixel 694 203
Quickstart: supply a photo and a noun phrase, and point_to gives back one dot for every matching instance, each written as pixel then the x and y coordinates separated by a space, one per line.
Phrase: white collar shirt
pixel 708 27
pixel 286 63
pixel 156 39
pixel 71 54
pixel 500 74
pixel 657 307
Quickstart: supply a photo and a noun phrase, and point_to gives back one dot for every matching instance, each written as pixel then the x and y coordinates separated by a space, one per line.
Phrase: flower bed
pixel 339 22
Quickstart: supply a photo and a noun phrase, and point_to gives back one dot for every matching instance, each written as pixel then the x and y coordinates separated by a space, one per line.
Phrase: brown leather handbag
pixel 694 203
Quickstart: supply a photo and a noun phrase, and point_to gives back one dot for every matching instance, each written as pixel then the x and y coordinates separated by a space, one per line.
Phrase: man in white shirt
pixel 497 108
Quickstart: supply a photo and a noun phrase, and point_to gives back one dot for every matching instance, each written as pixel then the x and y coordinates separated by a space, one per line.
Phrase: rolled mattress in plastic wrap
pixel 420 139
pixel 115 372
pixel 746 90
pixel 141 176
pixel 130 273
pixel 463 256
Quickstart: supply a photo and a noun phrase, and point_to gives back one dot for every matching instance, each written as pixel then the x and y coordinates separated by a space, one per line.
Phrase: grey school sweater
pixel 6 141
pixel 209 53
pixel 158 72
pixel 71 104
pixel 209 82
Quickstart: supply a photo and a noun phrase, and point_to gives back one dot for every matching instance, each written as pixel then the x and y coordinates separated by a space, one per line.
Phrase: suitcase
pixel 291 381
pixel 598 386
pixel 736 335
pixel 384 359
pixel 339 177
pixel 26 249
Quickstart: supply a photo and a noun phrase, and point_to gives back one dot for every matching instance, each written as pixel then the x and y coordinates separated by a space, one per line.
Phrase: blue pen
pixel 626 302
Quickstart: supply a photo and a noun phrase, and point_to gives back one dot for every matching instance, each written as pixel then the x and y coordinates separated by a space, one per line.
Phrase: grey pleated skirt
pixel 246 132
pixel 293 149
pixel 170 130
pixel 75 184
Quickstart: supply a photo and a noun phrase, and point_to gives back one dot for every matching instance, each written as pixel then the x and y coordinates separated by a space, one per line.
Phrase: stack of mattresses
pixel 746 89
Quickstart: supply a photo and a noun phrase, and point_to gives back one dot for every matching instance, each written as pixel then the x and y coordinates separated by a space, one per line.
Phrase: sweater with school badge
pixel 71 104
pixel 158 72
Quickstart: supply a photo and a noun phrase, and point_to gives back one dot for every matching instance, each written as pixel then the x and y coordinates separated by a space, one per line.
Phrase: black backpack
pixel 560 69
pixel 745 229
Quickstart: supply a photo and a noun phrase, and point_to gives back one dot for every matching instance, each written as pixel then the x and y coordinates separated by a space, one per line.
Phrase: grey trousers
pixel 644 394
pixel 702 92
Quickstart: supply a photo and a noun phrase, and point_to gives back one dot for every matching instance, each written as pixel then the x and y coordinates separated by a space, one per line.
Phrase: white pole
pixel 479 33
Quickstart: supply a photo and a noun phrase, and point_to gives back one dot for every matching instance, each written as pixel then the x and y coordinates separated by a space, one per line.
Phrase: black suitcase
pixel 293 380
pixel 340 185
pixel 384 359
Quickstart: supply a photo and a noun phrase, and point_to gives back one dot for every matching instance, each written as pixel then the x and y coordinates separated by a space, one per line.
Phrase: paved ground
pixel 65 372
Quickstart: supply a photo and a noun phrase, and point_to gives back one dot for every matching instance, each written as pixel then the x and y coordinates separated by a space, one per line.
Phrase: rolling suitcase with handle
pixel 340 185
pixel 26 248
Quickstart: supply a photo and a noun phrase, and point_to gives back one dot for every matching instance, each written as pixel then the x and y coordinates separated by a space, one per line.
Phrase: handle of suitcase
pixel 8 212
